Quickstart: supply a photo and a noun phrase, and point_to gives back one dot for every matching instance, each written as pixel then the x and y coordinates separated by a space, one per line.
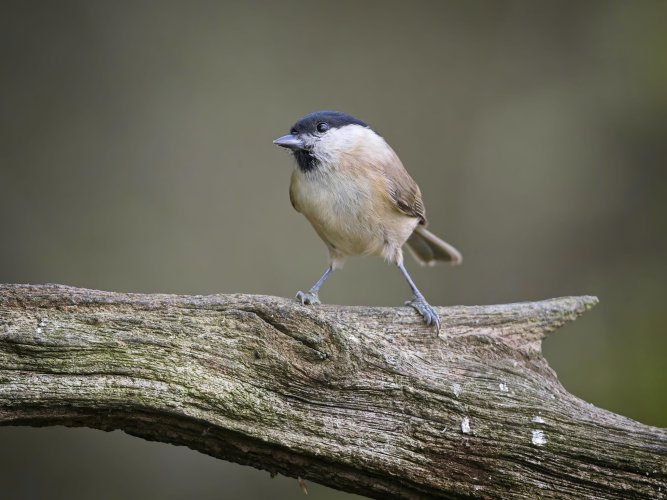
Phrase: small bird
pixel 354 190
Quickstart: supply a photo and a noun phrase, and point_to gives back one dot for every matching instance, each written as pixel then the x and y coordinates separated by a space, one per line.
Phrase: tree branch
pixel 365 400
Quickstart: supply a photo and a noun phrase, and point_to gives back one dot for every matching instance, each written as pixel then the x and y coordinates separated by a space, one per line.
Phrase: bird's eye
pixel 322 127
pixel 293 131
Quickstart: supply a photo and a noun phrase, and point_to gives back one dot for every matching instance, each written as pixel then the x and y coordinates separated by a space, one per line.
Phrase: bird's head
pixel 322 136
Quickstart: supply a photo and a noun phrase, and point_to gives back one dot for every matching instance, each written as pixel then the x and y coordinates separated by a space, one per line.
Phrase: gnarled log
pixel 366 400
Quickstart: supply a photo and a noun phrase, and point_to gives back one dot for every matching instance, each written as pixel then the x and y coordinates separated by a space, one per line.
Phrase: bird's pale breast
pixel 350 213
pixel 340 209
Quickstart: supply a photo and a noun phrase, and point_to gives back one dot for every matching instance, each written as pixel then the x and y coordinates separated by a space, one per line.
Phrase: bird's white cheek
pixel 331 146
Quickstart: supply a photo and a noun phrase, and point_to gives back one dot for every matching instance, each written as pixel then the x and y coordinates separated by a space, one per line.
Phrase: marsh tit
pixel 354 190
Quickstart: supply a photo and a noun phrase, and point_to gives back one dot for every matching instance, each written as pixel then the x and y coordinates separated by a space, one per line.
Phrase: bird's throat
pixel 306 160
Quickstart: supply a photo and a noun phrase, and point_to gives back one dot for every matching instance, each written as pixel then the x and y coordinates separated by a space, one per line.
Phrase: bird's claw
pixel 431 317
pixel 307 298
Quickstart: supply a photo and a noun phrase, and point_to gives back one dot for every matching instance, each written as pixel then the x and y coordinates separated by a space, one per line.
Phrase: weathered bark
pixel 366 400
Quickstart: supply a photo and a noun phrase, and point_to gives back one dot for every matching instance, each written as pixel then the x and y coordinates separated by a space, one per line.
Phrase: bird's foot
pixel 307 298
pixel 428 313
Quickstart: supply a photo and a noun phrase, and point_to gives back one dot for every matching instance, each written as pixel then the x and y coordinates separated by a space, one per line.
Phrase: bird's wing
pixel 403 190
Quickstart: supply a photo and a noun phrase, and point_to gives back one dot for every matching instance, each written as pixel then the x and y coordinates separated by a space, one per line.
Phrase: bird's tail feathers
pixel 428 249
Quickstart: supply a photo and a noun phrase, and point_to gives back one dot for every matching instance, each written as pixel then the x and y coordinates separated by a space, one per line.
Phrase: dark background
pixel 136 155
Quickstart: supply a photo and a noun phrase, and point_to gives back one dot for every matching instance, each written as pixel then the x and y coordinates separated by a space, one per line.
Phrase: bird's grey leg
pixel 311 297
pixel 419 302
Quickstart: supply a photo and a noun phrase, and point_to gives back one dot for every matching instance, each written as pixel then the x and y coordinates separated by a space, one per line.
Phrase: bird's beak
pixel 290 141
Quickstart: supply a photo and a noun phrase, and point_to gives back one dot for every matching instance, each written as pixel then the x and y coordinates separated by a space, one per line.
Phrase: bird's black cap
pixel 335 119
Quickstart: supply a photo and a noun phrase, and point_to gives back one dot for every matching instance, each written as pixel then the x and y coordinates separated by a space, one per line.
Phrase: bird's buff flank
pixel 354 190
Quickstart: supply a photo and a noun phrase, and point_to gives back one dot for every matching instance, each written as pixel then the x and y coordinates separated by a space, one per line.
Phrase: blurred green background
pixel 136 155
